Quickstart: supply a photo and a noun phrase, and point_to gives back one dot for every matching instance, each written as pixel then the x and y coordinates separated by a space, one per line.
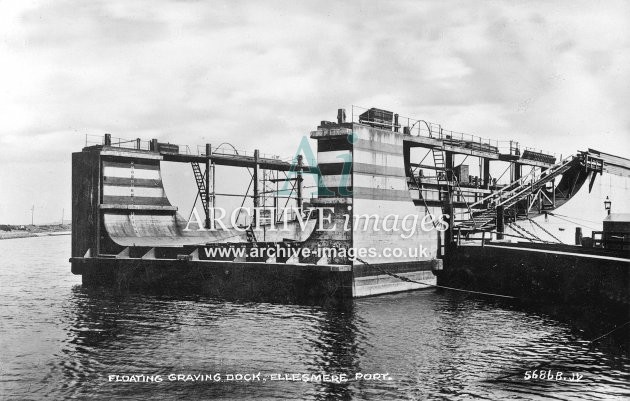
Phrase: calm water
pixel 59 340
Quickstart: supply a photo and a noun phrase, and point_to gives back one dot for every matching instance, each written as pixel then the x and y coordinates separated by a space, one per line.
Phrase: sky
pixel 262 74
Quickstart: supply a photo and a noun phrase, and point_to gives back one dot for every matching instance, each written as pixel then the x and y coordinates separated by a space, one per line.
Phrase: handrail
pixel 138 144
pixel 498 193
pixel 514 186
pixel 542 179
pixel 514 190
pixel 434 130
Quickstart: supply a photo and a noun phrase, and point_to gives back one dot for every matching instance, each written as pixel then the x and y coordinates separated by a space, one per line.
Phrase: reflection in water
pixel 338 351
pixel 122 334
pixel 61 340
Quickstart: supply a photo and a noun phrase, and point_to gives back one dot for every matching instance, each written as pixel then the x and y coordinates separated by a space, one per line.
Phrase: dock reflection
pixel 141 333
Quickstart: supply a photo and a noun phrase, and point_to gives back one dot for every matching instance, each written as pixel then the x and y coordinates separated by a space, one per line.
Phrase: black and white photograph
pixel 314 200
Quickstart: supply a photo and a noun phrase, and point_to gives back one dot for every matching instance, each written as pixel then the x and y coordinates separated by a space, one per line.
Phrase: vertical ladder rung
pixel 201 185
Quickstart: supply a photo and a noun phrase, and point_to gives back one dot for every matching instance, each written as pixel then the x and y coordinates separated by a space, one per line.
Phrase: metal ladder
pixel 201 185
pixel 438 158
pixel 440 169
pixel 442 180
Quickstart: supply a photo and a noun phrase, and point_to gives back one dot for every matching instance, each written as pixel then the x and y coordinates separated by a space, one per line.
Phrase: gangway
pixel 525 188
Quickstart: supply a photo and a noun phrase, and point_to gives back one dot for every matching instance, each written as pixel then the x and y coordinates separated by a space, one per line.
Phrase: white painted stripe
pixel 378 159
pixel 112 190
pixel 560 253
pixel 334 156
pixel 382 182
pixel 333 181
pixel 121 172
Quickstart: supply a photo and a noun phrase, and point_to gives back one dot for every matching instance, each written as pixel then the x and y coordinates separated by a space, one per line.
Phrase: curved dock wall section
pixel 119 201
pixel 133 182
pixel 586 209
pixel 142 215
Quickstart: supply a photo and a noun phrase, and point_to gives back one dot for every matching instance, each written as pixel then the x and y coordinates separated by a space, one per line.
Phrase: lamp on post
pixel 607 204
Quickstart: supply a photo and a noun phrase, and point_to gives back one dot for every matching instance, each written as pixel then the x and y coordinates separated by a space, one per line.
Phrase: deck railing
pixel 418 127
pixel 198 150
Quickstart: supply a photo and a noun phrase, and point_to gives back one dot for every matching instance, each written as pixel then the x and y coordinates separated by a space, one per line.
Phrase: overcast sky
pixel 261 74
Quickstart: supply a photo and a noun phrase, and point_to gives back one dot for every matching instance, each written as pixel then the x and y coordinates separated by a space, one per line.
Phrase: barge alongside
pixel 126 232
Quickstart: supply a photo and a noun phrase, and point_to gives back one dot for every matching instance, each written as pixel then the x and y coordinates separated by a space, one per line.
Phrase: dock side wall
pixel 264 282
pixel 380 189
pixel 375 187
pixel 86 187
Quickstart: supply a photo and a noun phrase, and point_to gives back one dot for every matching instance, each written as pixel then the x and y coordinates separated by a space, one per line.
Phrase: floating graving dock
pixel 127 233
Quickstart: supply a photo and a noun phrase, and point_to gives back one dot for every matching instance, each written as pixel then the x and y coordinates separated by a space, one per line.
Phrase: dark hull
pixel 246 281
pixel 561 274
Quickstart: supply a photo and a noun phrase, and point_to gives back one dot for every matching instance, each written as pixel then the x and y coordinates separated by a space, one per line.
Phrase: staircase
pixel 510 195
pixel 522 191
pixel 484 219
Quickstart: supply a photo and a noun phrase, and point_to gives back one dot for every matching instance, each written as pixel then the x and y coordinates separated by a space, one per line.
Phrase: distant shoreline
pixel 31 235
pixel 12 232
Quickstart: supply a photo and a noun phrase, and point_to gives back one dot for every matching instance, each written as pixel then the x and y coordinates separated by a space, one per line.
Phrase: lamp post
pixel 607 204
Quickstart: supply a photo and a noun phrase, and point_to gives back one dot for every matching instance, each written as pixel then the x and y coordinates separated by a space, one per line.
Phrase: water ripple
pixel 60 340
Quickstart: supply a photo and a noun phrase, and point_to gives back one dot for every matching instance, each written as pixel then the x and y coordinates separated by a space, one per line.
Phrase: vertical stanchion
pixel 255 179
pixel 207 194
pixel 299 184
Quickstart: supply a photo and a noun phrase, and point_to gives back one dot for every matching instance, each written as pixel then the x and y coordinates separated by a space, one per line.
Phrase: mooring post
pixel 108 139
pixel 500 222
pixel 578 235
pixel 208 153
